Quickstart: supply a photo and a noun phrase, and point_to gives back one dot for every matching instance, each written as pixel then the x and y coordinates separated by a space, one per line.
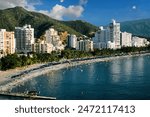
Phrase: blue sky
pixel 98 12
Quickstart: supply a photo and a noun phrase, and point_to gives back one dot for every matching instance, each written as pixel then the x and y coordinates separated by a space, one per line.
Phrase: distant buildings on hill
pixel 51 43
pixel 22 40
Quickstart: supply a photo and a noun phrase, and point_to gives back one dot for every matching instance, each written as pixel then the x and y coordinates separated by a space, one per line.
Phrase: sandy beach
pixel 7 82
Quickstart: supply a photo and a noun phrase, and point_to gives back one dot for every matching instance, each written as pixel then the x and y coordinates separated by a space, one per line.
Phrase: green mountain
pixel 137 27
pixel 82 26
pixel 18 16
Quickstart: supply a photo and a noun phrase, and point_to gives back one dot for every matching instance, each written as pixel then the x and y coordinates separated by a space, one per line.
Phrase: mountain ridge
pixel 18 16
pixel 137 27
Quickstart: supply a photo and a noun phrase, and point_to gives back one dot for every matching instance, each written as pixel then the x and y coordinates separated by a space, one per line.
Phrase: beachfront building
pixel 2 42
pixel 72 41
pixel 101 38
pixel 24 38
pixel 115 34
pixel 53 38
pixel 85 45
pixel 7 42
pixel 42 47
pixel 108 37
pixel 110 45
pixel 139 42
pixel 126 39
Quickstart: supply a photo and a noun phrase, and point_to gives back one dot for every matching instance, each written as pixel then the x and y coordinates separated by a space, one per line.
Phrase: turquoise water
pixel 120 79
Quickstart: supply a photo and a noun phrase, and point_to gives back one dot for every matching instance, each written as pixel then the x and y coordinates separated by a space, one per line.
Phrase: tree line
pixel 20 60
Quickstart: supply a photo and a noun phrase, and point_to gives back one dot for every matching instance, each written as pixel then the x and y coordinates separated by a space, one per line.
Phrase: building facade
pixel 139 42
pixel 126 39
pixel 7 42
pixel 72 41
pixel 85 45
pixel 110 45
pixel 2 42
pixel 108 37
pixel 42 47
pixel 24 38
pixel 101 38
pixel 115 33
pixel 53 38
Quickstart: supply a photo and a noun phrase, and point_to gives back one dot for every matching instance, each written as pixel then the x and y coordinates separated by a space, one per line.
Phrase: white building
pixel 85 45
pixel 110 45
pixel 42 47
pixel 101 38
pixel 106 38
pixel 126 39
pixel 7 42
pixel 53 38
pixel 2 41
pixel 115 33
pixel 24 38
pixel 139 42
pixel 72 41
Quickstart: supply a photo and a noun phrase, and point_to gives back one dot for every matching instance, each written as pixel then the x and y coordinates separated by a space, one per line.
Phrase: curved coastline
pixel 13 82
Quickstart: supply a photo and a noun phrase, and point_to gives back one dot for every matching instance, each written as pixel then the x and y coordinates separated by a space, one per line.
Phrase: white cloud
pixel 28 4
pixel 59 12
pixel 12 3
pixel 83 2
pixel 61 0
pixel 134 7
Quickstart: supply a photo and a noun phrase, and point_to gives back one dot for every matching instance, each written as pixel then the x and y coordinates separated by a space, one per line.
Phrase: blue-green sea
pixel 119 79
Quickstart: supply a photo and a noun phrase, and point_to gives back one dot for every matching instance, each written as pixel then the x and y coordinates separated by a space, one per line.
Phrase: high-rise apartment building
pixel 7 42
pixel 53 38
pixel 2 42
pixel 85 45
pixel 101 38
pixel 115 33
pixel 72 41
pixel 108 37
pixel 126 39
pixel 24 38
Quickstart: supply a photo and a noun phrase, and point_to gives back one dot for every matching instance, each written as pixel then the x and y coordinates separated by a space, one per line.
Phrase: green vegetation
pixel 13 61
pixel 72 54
pixel 18 16
pixel 10 62
pixel 82 27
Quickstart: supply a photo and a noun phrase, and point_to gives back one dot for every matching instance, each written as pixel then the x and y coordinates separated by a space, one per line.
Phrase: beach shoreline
pixel 7 82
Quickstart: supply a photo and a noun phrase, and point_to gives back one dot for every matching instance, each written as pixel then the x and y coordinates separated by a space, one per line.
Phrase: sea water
pixel 119 79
